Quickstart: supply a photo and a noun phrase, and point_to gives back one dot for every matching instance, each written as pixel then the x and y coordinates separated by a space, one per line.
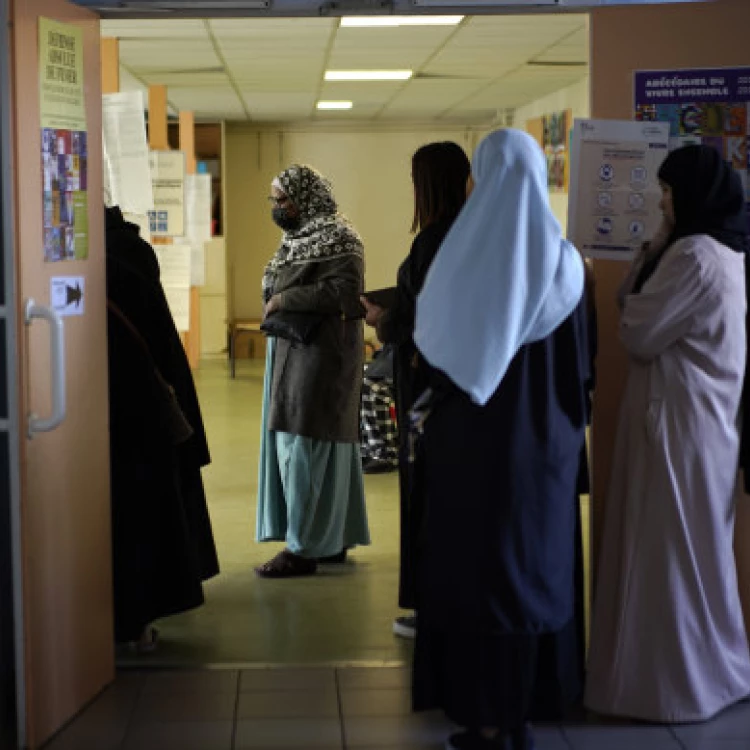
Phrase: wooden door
pixel 65 506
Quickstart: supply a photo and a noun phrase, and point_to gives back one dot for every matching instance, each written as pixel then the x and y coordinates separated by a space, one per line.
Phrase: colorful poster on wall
pixel 64 141
pixel 65 185
pixel 555 128
pixel 614 190
pixel 709 106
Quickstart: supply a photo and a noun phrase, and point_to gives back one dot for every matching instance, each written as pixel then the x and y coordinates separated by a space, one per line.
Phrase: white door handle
pixel 57 367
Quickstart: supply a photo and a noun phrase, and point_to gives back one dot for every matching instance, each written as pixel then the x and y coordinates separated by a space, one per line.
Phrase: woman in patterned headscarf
pixel 310 489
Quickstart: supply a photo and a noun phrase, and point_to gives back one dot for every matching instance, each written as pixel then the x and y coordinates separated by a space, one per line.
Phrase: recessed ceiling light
pixel 391 21
pixel 334 105
pixel 368 75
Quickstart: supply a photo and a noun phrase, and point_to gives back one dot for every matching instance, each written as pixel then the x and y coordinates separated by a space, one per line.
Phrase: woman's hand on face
pixel 273 304
pixel 659 241
pixel 373 313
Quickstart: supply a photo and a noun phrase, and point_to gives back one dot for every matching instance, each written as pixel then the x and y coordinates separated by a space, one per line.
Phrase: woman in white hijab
pixel 502 316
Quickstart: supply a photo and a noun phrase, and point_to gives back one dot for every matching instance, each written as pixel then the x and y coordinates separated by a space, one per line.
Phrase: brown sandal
pixel 287 565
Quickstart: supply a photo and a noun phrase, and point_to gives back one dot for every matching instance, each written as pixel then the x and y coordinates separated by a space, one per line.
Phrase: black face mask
pixel 282 218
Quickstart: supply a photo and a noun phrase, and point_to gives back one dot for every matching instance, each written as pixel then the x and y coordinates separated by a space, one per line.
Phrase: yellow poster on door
pixel 61 96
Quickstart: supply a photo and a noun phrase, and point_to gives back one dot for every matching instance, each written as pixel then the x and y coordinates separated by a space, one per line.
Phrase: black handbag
pixel 299 327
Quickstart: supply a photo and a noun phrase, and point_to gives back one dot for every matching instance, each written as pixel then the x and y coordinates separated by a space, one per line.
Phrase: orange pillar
pixel 110 51
pixel 157 118
pixel 158 140
pixel 193 336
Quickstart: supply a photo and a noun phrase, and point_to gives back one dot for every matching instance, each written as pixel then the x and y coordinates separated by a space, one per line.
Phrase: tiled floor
pixel 324 708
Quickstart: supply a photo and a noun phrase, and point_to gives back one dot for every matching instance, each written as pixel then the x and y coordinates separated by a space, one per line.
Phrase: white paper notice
pixel 198 221
pixel 175 263
pixel 179 305
pixel 198 265
pixel 614 188
pixel 66 295
pixel 168 179
pixel 127 175
pixel 198 207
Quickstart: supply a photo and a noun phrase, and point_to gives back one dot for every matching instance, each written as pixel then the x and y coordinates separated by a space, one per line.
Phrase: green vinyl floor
pixel 342 615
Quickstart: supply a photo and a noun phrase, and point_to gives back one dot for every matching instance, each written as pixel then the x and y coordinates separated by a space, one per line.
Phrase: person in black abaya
pixel 502 318
pixel 440 172
pixel 145 490
pixel 154 564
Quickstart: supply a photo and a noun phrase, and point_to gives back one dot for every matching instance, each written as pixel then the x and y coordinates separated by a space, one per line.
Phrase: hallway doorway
pixel 261 77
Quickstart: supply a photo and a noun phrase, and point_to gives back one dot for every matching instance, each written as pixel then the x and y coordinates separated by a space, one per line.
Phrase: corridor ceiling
pixel 272 70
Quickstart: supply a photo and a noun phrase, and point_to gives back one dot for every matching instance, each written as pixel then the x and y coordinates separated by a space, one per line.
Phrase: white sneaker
pixel 406 626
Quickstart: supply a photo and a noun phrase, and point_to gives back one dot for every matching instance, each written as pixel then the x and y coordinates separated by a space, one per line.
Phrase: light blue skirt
pixel 310 492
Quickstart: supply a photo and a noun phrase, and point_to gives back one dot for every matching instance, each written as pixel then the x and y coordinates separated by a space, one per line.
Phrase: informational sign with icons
pixel 614 189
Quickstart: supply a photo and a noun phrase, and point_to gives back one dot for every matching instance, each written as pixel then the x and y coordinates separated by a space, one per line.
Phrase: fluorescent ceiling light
pixel 390 21
pixel 368 75
pixel 334 105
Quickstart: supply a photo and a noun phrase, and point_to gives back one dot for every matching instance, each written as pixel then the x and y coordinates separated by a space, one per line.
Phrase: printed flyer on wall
pixel 614 189
pixel 127 168
pixel 168 181
pixel 61 92
pixel 66 216
pixel 64 149
pixel 198 222
pixel 709 106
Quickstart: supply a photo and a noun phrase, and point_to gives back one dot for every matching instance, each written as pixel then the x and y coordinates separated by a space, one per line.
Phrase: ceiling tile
pixel 487 69
pixel 168 54
pixel 423 37
pixel 470 116
pixel 172 29
pixel 374 92
pixel 523 87
pixel 358 112
pixel 263 29
pixel 264 102
pixel 403 59
pixel 431 96
pixel 267 86
pixel 205 102
pixel 187 80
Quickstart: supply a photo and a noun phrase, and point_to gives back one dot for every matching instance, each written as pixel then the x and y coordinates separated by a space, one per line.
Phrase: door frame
pixel 12 680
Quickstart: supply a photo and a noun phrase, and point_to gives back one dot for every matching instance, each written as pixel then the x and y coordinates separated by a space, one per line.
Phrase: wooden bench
pixel 237 328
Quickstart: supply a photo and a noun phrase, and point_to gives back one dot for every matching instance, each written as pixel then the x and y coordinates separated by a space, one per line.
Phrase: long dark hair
pixel 439 172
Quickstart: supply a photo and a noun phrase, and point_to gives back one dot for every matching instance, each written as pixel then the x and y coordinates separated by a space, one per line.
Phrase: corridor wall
pixel 371 174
